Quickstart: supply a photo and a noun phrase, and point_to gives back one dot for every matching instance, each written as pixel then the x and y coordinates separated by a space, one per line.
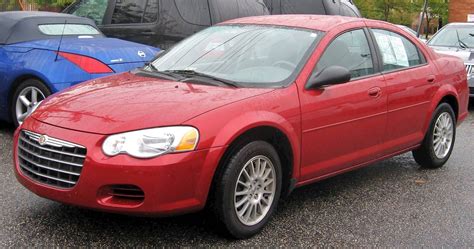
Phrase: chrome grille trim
pixel 52 141
pixel 469 69
pixel 49 160
pixel 49 177
pixel 55 151
pixel 46 167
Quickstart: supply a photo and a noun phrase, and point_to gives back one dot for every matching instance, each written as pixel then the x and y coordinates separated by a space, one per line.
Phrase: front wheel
pixel 438 144
pixel 26 98
pixel 248 190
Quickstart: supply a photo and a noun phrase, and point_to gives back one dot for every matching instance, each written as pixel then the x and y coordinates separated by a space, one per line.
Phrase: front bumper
pixel 172 184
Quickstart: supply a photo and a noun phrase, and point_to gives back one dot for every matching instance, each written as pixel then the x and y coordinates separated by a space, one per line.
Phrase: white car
pixel 411 31
pixel 457 39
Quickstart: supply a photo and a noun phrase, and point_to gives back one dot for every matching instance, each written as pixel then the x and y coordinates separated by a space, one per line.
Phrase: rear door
pixel 411 84
pixel 343 125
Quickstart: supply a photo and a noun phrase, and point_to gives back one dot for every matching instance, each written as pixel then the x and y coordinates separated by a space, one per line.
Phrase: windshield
pixel 455 36
pixel 250 55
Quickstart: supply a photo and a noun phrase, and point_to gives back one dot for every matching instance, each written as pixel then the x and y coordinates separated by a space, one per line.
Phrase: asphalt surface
pixel 389 204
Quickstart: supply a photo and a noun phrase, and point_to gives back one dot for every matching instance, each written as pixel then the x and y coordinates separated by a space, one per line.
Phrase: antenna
pixel 60 40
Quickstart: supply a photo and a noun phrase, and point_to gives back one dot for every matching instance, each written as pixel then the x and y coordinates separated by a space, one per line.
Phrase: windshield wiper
pixel 163 74
pixel 192 74
pixel 461 43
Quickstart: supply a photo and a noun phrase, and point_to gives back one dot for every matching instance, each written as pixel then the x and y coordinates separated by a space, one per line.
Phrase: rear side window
pixel 350 50
pixel 135 11
pixel 92 9
pixel 252 8
pixel 68 29
pixel 397 51
pixel 223 10
pixel 302 7
pixel 195 12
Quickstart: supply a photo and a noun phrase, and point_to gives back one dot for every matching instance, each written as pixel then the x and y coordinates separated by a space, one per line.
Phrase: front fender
pixel 220 127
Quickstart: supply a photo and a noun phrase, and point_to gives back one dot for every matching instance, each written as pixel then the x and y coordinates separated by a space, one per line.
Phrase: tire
pixel 26 89
pixel 228 191
pixel 431 154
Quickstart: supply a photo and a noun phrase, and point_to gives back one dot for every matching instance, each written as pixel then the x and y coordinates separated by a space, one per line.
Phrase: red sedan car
pixel 240 114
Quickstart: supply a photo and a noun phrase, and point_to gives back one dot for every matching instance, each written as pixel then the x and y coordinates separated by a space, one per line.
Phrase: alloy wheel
pixel 255 190
pixel 443 135
pixel 27 101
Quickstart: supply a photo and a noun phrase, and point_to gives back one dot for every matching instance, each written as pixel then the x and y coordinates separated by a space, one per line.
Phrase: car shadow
pixel 6 127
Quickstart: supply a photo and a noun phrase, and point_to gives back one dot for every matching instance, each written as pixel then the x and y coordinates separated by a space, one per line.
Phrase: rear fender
pixel 443 91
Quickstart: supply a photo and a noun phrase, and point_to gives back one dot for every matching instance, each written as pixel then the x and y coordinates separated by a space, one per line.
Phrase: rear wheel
pixel 438 144
pixel 248 190
pixel 25 99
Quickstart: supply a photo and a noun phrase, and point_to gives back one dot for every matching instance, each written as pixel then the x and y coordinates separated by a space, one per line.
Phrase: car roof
pixel 315 22
pixel 460 24
pixel 22 26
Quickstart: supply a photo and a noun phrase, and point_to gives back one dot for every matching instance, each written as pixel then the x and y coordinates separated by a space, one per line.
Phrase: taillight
pixel 88 64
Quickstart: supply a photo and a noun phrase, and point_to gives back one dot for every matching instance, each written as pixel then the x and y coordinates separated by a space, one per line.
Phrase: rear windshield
pixel 68 29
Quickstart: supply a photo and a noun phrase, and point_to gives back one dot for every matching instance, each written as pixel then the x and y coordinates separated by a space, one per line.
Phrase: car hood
pixel 467 55
pixel 127 101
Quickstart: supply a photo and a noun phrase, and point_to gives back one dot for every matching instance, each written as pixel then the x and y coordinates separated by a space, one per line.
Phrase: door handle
pixel 431 79
pixel 374 92
pixel 148 33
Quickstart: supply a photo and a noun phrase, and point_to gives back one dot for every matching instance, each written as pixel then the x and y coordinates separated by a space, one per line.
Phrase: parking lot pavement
pixel 389 204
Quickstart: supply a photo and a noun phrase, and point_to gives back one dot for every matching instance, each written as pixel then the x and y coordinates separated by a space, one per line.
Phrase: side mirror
pixel 332 75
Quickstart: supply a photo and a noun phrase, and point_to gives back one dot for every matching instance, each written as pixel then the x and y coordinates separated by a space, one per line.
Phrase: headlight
pixel 152 142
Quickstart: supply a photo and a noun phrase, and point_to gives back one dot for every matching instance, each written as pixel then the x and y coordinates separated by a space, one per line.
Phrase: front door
pixel 343 125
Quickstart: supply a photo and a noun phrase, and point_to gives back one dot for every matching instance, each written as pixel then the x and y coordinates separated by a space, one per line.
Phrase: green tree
pixel 402 11
pixel 56 3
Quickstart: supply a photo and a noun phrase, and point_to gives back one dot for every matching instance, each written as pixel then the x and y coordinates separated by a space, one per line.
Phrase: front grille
pixel 469 69
pixel 49 160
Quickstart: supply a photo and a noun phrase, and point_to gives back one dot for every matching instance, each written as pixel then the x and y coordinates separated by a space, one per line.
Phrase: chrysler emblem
pixel 141 54
pixel 43 140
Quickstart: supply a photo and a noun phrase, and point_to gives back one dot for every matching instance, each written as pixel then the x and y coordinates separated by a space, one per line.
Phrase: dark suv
pixel 162 23
pixel 318 7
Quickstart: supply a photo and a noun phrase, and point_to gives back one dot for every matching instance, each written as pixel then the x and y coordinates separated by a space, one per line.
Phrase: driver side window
pixel 350 50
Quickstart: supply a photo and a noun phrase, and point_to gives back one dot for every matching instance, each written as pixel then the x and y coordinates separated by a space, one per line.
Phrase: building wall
pixel 459 9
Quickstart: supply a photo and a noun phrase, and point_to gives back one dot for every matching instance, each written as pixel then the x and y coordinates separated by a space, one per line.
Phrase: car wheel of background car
pixel 248 189
pixel 439 141
pixel 26 98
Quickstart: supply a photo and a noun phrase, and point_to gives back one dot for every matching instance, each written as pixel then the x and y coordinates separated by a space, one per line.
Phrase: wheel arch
pixel 272 135
pixel 14 85
pixel 446 94
pixel 453 102
pixel 22 78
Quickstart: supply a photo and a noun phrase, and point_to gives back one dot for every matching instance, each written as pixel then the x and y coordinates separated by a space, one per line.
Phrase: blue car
pixel 42 53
